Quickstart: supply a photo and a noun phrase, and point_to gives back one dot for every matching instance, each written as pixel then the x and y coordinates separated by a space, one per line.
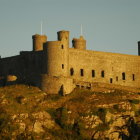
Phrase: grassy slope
pixel 18 99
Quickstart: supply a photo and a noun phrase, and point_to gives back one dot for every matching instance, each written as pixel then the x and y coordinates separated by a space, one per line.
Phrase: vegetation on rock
pixel 27 113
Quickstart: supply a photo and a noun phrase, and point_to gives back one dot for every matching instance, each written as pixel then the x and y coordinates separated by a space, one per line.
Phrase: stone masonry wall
pixel 112 64
pixel 27 67
pixel 66 66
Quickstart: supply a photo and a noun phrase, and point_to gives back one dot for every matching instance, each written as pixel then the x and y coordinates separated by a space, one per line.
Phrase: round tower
pixel 79 43
pixel 63 36
pixel 55 77
pixel 56 55
pixel 53 58
pixel 38 41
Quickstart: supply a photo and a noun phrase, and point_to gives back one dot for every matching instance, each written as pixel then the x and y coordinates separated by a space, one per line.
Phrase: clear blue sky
pixel 108 25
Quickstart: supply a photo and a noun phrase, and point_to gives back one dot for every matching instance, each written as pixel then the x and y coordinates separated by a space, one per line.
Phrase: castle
pixel 56 68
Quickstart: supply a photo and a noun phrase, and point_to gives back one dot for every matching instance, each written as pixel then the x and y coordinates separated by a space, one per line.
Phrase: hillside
pixel 27 113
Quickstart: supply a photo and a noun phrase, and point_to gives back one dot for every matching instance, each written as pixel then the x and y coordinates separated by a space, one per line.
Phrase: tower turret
pixel 38 41
pixel 55 77
pixel 56 55
pixel 63 36
pixel 79 43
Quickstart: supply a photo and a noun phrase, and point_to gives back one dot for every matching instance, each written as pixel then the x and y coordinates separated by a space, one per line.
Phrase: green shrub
pixel 52 112
pixel 53 97
pixel 62 116
pixel 134 101
pixel 4 119
pixel 116 107
pixel 19 99
pixel 6 128
pixel 102 114
pixel 137 113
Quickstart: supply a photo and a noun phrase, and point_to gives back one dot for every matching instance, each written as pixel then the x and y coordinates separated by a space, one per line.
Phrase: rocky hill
pixel 27 113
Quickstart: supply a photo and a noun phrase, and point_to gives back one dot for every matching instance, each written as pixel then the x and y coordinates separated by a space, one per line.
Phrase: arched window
pixel 71 71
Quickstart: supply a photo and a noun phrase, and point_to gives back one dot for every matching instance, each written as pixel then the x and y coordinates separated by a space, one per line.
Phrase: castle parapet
pixel 38 41
pixel 79 43
pixel 63 36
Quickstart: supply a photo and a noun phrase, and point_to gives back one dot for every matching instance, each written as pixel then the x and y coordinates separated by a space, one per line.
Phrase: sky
pixel 108 25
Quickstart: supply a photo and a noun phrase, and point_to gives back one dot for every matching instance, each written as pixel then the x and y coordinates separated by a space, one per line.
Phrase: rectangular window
pixel 111 80
pixel 62 47
pixel 71 71
pixel 123 76
pixel 116 78
pixel 93 73
pixel 81 72
pixel 78 86
pixel 62 66
pixel 102 73
pixel 133 77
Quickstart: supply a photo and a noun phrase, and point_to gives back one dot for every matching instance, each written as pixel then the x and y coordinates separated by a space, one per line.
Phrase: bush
pixel 52 112
pixel 116 107
pixel 137 113
pixel 62 116
pixel 102 114
pixel 53 97
pixel 19 99
pixel 6 128
pixel 134 101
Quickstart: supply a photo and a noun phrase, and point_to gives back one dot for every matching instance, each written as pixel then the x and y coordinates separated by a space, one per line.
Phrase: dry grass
pixel 18 99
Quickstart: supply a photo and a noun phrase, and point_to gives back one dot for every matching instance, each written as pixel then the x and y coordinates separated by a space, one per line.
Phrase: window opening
pixel 111 80
pixel 116 78
pixel 78 86
pixel 82 72
pixel 62 66
pixel 123 76
pixel 102 73
pixel 88 87
pixel 93 73
pixel 133 77
pixel 71 71
pixel 62 47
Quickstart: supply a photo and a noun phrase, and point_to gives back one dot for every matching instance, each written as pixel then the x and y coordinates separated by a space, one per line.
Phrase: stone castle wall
pixel 105 67
pixel 55 67
pixel 27 67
